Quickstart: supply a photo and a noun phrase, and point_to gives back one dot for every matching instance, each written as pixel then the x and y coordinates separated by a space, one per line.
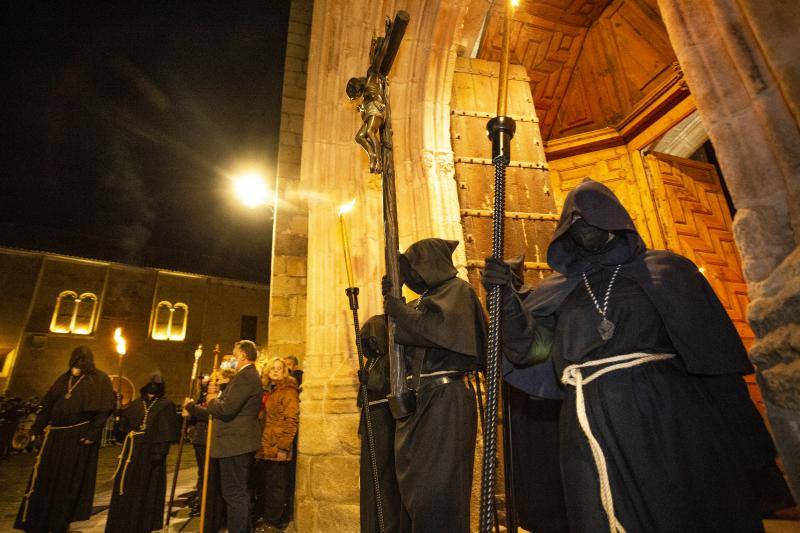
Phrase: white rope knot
pixel 572 375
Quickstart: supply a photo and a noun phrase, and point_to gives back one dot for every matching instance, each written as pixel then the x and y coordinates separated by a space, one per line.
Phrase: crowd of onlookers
pixel 261 483
pixel 16 417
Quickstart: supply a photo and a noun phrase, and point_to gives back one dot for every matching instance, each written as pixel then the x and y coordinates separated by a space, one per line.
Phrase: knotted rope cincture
pixel 128 439
pixel 27 497
pixel 572 376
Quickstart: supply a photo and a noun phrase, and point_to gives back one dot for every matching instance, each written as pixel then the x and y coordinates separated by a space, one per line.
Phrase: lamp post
pixel 122 348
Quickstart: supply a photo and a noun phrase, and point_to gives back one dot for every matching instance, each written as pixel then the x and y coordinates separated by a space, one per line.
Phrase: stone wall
pixel 741 64
pixel 287 309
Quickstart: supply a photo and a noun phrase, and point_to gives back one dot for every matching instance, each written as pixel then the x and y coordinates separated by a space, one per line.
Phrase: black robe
pixel 373 341
pixel 61 488
pixel 681 438
pixel 140 481
pixel 435 446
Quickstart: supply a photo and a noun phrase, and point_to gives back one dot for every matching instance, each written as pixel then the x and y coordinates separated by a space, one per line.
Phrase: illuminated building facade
pixel 53 303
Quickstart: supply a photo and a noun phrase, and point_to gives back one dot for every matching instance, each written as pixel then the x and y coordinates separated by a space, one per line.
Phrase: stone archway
pixel 333 171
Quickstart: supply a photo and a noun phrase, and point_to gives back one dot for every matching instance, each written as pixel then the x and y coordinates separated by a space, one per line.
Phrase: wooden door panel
pixel 698 225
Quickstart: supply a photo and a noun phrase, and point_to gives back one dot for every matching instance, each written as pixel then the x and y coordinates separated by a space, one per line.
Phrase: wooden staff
pixel 206 462
pixel 500 130
pixel 197 354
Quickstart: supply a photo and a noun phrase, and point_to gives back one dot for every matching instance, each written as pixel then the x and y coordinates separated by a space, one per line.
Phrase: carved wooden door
pixel 697 223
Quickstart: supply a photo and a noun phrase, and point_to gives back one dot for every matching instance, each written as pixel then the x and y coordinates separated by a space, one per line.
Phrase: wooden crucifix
pixel 375 136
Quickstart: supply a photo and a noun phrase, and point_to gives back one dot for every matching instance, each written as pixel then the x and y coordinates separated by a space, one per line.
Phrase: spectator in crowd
pixel 280 414
pixel 236 432
pixel 293 364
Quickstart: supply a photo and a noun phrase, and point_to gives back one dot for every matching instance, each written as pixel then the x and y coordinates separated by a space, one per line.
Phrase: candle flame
pixel 514 3
pixel 346 208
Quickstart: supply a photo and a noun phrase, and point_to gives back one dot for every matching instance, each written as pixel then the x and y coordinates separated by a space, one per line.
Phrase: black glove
pixel 496 273
pixel 386 285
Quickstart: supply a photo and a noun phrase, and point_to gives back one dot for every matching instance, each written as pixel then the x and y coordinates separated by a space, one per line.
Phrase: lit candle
pixel 343 210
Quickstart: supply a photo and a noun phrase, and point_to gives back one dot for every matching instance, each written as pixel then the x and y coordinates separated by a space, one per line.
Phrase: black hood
pixel 598 206
pixel 82 358
pixel 432 260
pixel 374 340
pixel 154 386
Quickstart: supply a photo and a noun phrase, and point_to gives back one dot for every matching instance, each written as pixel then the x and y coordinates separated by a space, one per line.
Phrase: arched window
pixel 169 322
pixel 74 314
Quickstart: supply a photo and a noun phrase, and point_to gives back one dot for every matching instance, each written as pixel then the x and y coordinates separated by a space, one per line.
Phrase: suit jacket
pixel 235 411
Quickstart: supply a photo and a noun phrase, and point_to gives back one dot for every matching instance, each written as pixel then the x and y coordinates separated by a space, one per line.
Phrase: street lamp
pixel 251 189
pixel 122 349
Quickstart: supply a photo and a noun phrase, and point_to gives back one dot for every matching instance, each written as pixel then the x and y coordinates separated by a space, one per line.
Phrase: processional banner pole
pixel 197 354
pixel 500 130
pixel 352 296
pixel 210 432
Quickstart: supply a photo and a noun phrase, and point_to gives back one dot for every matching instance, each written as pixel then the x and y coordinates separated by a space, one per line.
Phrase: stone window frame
pixel 79 322
pixel 172 331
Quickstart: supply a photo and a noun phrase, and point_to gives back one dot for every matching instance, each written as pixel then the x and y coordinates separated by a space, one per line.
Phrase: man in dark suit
pixel 237 432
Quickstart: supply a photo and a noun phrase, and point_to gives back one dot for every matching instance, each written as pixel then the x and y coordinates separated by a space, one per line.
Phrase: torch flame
pixel 122 346
pixel 515 3
pixel 346 208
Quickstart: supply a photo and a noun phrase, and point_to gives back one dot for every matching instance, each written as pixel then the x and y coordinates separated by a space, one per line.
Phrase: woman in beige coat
pixel 279 415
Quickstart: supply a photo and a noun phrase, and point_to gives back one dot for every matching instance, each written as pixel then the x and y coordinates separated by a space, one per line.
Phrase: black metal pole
pixel 352 295
pixel 500 130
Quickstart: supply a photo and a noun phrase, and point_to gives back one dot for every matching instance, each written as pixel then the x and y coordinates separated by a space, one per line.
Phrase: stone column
pixel 333 171
pixel 740 59
pixel 287 297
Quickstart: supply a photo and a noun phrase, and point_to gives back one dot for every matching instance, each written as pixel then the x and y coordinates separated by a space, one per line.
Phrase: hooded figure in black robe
pixel 70 423
pixel 443 335
pixel 376 378
pixel 538 495
pixel 684 447
pixel 150 425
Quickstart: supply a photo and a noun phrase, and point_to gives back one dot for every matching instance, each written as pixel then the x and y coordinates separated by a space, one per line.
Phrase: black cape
pixel 448 318
pixel 61 488
pixel 698 326
pixel 137 500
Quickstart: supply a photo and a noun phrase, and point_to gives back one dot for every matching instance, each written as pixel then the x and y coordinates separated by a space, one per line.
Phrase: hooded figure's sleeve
pixel 526 340
pixel 43 417
pixel 411 325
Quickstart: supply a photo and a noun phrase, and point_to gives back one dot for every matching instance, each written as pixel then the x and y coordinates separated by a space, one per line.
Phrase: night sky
pixel 121 124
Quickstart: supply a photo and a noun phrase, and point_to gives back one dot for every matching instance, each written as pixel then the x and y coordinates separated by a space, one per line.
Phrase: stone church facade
pixel 687 109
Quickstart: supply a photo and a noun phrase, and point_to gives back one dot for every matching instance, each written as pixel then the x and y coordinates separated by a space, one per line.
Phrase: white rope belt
pixel 572 376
